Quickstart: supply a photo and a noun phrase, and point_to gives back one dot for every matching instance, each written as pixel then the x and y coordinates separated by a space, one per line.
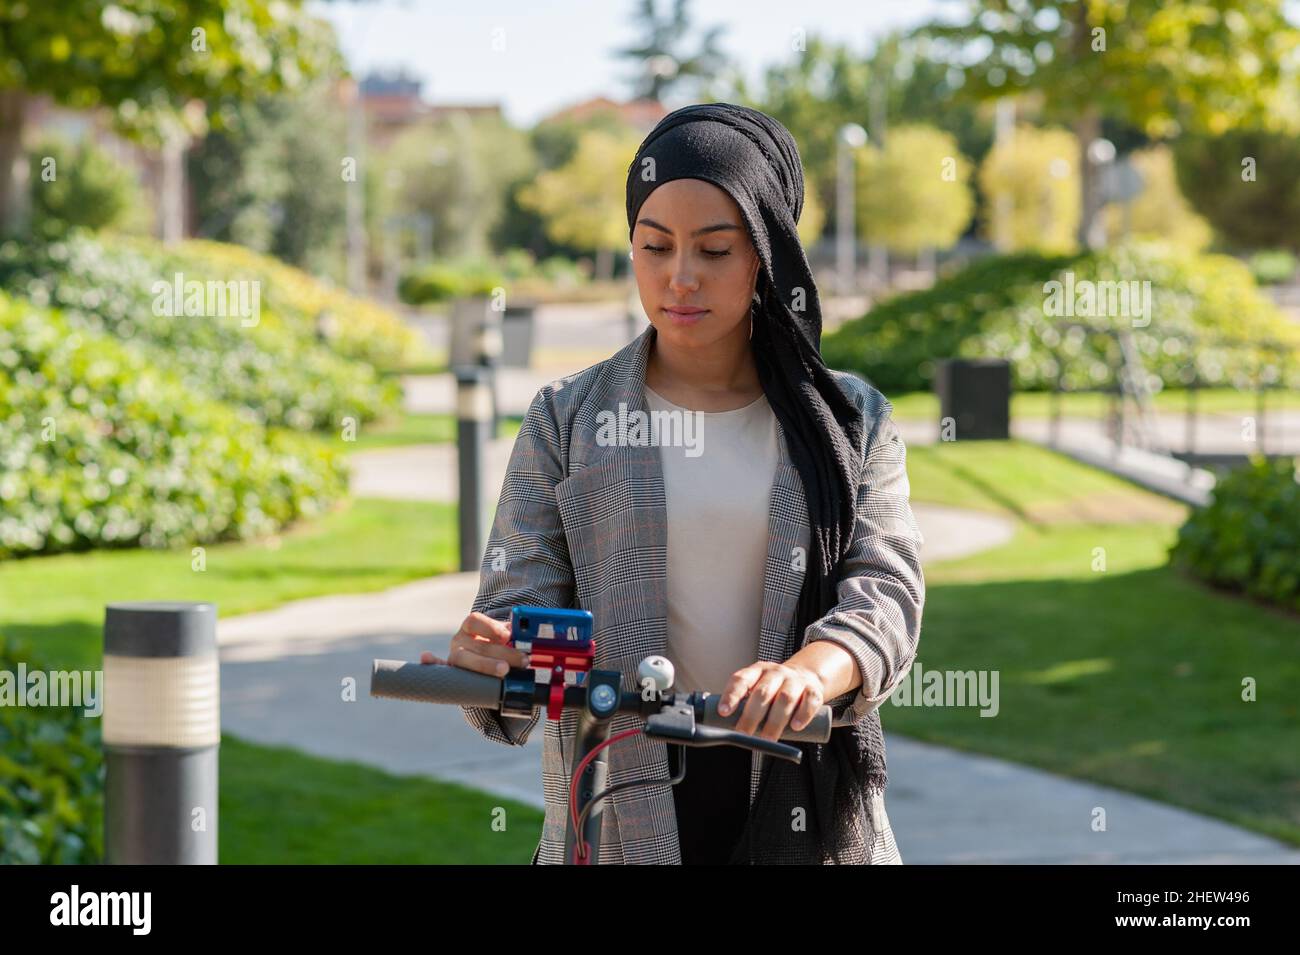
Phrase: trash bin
pixel 517 336
pixel 976 394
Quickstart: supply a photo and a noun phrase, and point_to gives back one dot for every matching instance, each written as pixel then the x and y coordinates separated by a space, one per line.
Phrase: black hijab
pixel 754 159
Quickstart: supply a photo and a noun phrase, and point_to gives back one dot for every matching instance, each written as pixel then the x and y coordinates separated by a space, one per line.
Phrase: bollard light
pixel 161 733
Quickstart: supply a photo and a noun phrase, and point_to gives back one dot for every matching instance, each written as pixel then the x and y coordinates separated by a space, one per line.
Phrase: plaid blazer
pixel 583 524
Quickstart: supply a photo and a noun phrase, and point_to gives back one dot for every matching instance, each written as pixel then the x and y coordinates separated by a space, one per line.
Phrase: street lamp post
pixel 851 137
pixel 1101 153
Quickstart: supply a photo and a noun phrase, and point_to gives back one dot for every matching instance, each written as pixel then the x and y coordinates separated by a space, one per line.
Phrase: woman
pixel 668 547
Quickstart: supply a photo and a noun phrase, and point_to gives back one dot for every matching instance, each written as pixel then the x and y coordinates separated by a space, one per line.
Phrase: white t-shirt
pixel 718 473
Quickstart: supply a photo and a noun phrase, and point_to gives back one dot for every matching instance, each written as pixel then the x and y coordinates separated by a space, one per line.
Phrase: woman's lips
pixel 686 317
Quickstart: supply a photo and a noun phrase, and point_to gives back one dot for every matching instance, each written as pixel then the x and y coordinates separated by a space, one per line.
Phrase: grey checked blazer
pixel 583 524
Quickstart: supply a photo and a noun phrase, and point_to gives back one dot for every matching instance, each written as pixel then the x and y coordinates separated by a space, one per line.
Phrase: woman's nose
pixel 683 278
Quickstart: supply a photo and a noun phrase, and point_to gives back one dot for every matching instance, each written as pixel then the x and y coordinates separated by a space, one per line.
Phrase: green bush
pixel 277 369
pixel 51 780
pixel 447 280
pixel 1273 266
pixel 895 344
pixel 82 186
pixel 99 447
pixel 1248 537
pixel 996 308
pixel 354 328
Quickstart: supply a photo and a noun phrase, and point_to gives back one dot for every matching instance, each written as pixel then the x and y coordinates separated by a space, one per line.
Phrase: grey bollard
pixel 161 733
pixel 489 344
pixel 473 424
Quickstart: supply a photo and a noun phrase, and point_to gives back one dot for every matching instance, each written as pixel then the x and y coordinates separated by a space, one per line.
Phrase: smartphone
pixel 534 629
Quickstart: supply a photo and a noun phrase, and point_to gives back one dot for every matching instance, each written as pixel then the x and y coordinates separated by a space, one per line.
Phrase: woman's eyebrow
pixel 716 227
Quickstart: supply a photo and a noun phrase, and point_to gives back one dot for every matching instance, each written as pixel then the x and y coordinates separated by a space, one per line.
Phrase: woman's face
pixel 695 264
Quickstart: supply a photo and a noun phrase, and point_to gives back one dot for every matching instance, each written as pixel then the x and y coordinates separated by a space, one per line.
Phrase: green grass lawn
pixel 1112 667
pixel 57 603
pixel 1028 482
pixel 410 428
pixel 1037 404
pixel 278 805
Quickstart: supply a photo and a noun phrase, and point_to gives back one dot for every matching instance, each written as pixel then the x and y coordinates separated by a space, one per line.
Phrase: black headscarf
pixel 754 159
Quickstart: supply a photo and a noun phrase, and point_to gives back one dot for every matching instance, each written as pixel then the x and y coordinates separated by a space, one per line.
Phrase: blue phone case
pixel 549 628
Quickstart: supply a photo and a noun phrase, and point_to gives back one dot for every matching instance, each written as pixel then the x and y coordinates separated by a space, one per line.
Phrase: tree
pixel 914 194
pixel 1165 68
pixel 272 181
pixel 661 64
pixel 457 172
pixel 1031 181
pixel 813 217
pixel 1247 183
pixel 147 60
pixel 583 201
pixel 553 142
pixel 825 85
pixel 1159 211
pixel 82 186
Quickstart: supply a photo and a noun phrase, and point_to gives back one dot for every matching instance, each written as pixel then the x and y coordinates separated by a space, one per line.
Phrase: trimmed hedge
pixel 443 282
pixel 995 308
pixel 277 369
pixel 51 780
pixel 354 328
pixel 99 448
pixel 1248 537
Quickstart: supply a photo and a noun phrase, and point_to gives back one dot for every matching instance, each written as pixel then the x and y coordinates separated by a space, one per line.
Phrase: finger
pixel 756 704
pixel 808 708
pixel 784 704
pixel 481 634
pixel 496 651
pixel 484 658
pixel 736 689
pixel 481 625
pixel 427 657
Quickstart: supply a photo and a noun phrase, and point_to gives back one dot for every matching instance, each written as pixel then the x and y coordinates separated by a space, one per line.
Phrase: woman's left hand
pixel 779 694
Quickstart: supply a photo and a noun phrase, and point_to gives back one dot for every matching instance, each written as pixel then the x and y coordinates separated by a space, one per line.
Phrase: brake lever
pixel 677 725
pixel 715 736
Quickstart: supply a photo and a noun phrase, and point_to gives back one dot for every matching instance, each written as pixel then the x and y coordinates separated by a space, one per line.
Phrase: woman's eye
pixel 660 250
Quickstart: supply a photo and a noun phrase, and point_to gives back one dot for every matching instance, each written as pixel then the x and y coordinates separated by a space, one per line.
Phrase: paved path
pixel 282 682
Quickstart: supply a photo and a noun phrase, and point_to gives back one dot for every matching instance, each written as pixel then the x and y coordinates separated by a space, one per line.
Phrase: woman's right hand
pixel 482 644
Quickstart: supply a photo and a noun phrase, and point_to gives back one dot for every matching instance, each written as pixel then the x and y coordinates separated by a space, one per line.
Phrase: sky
pixel 536 56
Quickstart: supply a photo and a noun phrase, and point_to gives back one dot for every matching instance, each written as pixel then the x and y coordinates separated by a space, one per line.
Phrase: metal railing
pixel 1131 416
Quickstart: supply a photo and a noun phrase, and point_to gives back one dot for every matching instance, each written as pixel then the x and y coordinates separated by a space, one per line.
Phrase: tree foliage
pixel 583 202
pixel 915 192
pixel 1247 183
pixel 1031 180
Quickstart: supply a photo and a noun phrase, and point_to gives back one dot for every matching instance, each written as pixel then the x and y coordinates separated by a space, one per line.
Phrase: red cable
pixel 580 847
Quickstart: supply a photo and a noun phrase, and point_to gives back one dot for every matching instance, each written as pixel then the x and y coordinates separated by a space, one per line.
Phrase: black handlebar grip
pixel 818 729
pixel 434 683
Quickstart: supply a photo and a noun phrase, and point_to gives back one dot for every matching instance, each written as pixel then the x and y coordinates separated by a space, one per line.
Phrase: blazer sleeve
pixel 881 589
pixel 527 556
